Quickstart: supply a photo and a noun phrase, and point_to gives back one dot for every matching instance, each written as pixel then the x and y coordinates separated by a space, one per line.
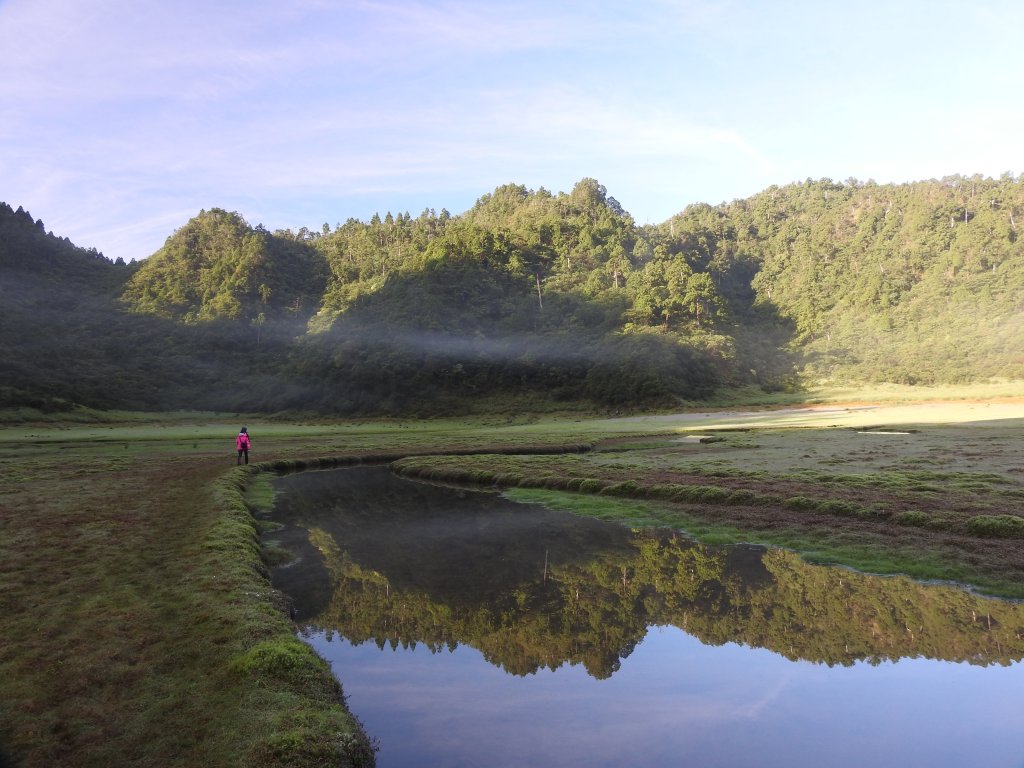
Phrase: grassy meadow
pixel 139 627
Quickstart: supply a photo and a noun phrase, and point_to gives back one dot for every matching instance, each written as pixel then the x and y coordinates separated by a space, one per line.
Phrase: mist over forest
pixel 528 298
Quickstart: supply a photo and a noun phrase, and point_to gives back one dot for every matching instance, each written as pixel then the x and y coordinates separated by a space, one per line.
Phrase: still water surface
pixel 471 631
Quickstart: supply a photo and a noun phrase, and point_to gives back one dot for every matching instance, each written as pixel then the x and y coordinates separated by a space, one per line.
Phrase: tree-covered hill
pixel 217 267
pixel 529 293
pixel 912 283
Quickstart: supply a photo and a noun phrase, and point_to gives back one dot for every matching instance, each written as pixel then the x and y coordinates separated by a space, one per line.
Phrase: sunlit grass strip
pixel 441 469
pixel 919 481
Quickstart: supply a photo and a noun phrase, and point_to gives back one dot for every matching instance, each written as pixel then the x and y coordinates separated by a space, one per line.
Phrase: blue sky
pixel 122 119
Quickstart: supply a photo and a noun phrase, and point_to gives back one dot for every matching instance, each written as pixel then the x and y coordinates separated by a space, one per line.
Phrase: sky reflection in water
pixel 678 702
pixel 673 701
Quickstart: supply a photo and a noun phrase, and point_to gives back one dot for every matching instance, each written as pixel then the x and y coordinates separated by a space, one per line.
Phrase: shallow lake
pixel 468 630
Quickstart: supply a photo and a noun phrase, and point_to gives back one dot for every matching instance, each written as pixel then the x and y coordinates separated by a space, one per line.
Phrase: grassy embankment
pixel 137 627
pixel 138 624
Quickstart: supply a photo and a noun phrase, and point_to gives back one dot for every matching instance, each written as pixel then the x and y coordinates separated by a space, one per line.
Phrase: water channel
pixel 468 630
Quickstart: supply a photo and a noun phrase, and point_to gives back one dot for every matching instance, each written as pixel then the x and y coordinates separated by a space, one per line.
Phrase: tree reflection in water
pixel 385 560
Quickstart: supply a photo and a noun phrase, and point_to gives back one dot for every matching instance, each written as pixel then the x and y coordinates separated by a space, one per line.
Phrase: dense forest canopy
pixel 218 267
pixel 528 294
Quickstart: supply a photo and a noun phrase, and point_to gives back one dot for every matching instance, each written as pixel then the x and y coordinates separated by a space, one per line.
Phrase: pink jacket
pixel 242 441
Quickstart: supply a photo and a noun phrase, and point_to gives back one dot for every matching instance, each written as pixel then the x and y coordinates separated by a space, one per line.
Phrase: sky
pixel 122 119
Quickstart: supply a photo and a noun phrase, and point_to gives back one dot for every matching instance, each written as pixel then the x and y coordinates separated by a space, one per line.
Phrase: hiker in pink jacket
pixel 243 444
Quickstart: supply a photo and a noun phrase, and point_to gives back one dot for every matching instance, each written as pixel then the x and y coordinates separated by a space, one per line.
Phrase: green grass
pixel 997 526
pixel 132 587
pixel 139 627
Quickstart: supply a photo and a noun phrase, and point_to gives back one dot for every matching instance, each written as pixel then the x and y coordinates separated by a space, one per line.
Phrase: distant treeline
pixel 528 295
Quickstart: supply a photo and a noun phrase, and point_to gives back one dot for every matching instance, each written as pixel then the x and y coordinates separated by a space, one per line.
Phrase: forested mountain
pixel 527 294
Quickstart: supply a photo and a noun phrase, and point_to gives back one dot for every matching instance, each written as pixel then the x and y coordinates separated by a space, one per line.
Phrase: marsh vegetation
pixel 140 625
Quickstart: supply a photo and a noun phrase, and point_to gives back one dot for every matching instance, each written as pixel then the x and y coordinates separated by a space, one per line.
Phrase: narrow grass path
pixel 131 594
